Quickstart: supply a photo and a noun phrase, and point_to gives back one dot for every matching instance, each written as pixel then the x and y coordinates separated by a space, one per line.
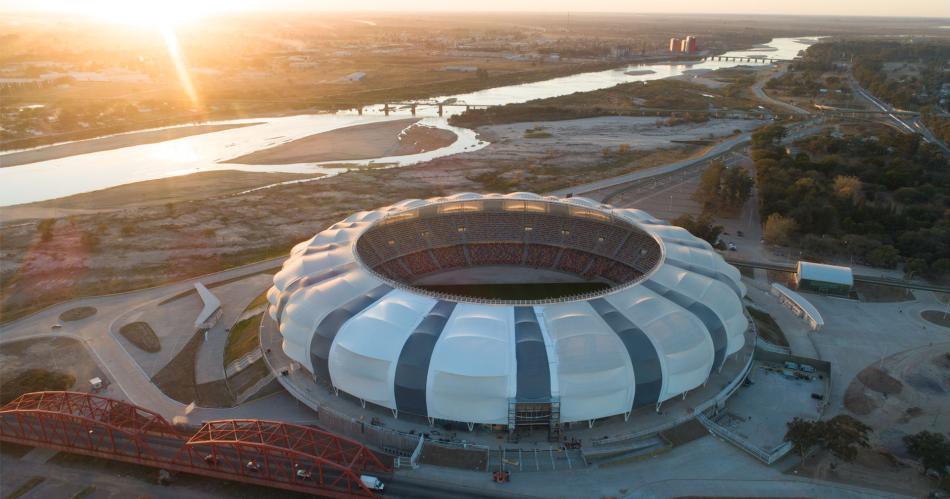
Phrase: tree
pixel 736 187
pixel 883 256
pixel 707 193
pixel 849 188
pixel 89 240
pixel 701 227
pixel 803 435
pixel 779 229
pixel 932 449
pixel 45 228
pixel 843 435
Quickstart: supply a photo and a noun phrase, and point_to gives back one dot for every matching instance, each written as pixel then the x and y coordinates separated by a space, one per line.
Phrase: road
pixel 635 181
pixel 910 125
pixel 711 153
pixel 757 89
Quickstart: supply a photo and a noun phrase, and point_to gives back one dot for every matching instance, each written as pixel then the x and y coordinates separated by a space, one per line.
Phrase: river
pixel 197 153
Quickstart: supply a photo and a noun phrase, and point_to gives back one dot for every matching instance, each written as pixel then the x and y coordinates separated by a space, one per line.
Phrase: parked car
pixel 372 483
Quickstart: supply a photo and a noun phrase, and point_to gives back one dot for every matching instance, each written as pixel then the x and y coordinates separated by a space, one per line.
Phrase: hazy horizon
pixel 877 8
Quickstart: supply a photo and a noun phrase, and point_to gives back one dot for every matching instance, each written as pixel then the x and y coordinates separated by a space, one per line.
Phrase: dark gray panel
pixel 412 369
pixel 717 330
pixel 326 331
pixel 534 374
pixel 643 356
pixel 719 276
pixel 309 280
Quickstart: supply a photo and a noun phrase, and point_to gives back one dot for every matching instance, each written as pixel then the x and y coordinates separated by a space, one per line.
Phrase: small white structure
pixel 96 383
pixel 799 305
pixel 212 309
pixel 354 77
pixel 823 278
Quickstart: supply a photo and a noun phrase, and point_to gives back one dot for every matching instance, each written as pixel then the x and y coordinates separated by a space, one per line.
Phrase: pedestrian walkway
pixel 549 459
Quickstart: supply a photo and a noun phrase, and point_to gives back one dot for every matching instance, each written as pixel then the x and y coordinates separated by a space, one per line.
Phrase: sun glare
pixel 153 13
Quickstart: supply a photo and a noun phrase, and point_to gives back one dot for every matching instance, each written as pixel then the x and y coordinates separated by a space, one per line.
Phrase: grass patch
pixel 878 293
pixel 242 338
pixel 177 378
pixel 86 491
pixel 878 380
pixel 528 291
pixel 26 487
pixel 214 394
pixel 141 335
pixel 34 380
pixel 77 314
pixel 746 271
pixel 246 379
pixel 537 133
pixel 938 317
pixel 14 450
pixel 767 327
pixel 260 301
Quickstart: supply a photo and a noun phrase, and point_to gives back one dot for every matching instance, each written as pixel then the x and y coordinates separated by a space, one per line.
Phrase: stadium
pixel 508 310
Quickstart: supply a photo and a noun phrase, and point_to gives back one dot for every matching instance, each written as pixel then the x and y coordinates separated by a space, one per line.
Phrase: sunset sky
pixel 197 8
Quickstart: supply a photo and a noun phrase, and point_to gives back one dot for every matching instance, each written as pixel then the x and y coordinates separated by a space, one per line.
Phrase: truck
pixel 372 483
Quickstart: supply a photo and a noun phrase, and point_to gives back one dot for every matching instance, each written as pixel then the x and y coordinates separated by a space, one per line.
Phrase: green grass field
pixel 534 291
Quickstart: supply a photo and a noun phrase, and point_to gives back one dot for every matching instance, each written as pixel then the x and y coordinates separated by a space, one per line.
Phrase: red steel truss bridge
pixel 259 452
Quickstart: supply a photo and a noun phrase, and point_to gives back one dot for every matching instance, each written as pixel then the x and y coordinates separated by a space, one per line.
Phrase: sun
pixel 146 13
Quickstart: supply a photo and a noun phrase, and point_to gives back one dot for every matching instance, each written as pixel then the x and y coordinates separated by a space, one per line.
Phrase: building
pixel 353 312
pixel 689 44
pixel 821 278
pixel 676 45
pixel 683 45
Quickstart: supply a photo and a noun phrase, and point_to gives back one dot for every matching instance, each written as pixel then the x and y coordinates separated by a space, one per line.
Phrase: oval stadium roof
pixel 465 360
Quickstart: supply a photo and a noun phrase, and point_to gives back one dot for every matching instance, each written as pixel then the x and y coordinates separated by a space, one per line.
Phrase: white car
pixel 372 483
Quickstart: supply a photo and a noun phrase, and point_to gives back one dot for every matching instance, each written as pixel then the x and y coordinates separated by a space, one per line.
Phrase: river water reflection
pixel 88 172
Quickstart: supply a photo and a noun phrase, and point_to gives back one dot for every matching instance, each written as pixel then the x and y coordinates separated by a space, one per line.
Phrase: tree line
pixel 721 190
pixel 879 200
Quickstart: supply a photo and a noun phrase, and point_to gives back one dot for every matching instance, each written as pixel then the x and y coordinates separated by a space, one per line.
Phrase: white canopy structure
pixel 800 305
pixel 349 313
pixel 212 305
pixel 825 273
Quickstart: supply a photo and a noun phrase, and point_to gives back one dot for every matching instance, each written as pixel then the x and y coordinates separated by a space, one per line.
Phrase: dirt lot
pixel 62 355
pixel 907 394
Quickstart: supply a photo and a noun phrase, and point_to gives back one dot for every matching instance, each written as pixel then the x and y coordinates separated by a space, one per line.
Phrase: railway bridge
pixel 762 59
pixel 413 105
pixel 258 452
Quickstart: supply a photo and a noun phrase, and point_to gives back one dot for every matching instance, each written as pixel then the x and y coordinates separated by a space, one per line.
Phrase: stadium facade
pixel 350 311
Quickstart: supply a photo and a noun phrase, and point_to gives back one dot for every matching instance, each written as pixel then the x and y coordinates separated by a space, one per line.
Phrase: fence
pixel 766 456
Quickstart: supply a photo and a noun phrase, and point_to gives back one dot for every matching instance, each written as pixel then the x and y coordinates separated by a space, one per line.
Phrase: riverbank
pixel 164 191
pixel 111 142
pixel 373 140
